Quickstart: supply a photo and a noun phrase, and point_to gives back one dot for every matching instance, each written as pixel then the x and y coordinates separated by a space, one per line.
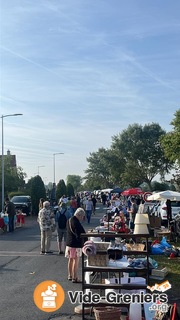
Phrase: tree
pixel 70 190
pixel 141 154
pixel 13 177
pixel 176 179
pixel 37 191
pixel 171 144
pixel 75 181
pixel 161 186
pixel 99 171
pixel 171 141
pixel 61 189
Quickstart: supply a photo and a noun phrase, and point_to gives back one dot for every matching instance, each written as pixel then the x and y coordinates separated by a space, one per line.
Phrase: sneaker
pixel 42 252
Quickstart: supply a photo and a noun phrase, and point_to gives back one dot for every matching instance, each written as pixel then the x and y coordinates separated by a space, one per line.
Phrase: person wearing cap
pixel 45 216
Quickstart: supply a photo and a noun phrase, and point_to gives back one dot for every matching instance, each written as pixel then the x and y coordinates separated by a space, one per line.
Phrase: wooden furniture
pixel 106 269
pixel 161 234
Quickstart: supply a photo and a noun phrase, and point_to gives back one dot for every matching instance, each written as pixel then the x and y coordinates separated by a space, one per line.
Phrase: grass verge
pixel 173 276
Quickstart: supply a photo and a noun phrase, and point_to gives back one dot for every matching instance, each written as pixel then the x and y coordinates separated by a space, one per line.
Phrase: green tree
pixel 99 171
pixel 141 154
pixel 37 191
pixel 60 189
pixel 88 185
pixel 160 186
pixel 75 181
pixel 171 145
pixel 70 190
pixel 171 140
pixel 14 177
pixel 176 180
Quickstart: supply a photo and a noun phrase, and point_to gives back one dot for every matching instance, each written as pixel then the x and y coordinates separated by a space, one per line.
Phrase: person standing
pixel 61 219
pixel 104 198
pixel 11 211
pixel 45 223
pixel 132 213
pixel 73 204
pixel 89 209
pixel 78 199
pixel 169 210
pixel 74 244
pixel 94 203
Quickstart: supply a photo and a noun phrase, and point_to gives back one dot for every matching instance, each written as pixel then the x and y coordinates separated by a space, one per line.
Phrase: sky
pixel 81 71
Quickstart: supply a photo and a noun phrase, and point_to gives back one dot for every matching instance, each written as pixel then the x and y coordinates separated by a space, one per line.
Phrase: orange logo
pixel 49 296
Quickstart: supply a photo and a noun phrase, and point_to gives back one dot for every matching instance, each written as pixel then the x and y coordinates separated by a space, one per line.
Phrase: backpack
pixel 62 220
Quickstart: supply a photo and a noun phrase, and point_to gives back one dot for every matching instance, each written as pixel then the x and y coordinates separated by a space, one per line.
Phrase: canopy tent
pixel 165 195
pixel 132 192
pixel 116 190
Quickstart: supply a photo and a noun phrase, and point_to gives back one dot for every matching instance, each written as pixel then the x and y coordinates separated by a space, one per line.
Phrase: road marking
pixel 19 253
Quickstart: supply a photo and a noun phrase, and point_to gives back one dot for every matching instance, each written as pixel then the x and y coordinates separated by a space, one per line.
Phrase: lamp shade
pixel 141 229
pixel 141 218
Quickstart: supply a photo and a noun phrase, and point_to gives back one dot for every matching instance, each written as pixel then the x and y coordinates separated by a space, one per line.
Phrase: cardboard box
pixel 158 273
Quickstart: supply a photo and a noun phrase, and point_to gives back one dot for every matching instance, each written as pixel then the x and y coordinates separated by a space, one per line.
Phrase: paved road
pixel 22 268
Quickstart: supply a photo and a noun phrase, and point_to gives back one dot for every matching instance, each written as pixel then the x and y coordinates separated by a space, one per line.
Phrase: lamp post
pixel 2 117
pixel 40 167
pixel 54 154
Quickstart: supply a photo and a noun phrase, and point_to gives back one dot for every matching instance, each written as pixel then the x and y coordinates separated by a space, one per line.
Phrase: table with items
pixel 19 220
pixel 112 268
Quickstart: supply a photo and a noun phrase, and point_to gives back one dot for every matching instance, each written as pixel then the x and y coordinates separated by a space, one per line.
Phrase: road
pixel 22 268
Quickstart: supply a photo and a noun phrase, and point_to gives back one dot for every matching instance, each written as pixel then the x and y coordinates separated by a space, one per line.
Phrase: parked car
pixel 160 208
pixel 23 203
pixel 148 206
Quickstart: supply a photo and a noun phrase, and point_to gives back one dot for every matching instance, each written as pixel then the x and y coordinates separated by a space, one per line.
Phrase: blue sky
pixel 81 71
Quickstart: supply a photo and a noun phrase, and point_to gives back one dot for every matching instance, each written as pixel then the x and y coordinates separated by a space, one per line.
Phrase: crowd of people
pixel 123 211
pixel 66 220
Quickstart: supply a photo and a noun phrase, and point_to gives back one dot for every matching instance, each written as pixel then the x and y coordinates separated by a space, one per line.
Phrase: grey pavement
pixel 22 269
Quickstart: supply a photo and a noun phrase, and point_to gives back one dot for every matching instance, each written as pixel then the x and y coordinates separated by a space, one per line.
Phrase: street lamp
pixel 54 154
pixel 40 167
pixel 2 117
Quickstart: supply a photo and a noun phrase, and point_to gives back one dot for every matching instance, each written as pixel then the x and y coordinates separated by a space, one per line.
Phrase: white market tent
pixel 165 195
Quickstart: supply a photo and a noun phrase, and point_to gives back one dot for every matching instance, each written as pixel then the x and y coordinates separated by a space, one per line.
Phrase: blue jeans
pixel 88 215
pixel 11 223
